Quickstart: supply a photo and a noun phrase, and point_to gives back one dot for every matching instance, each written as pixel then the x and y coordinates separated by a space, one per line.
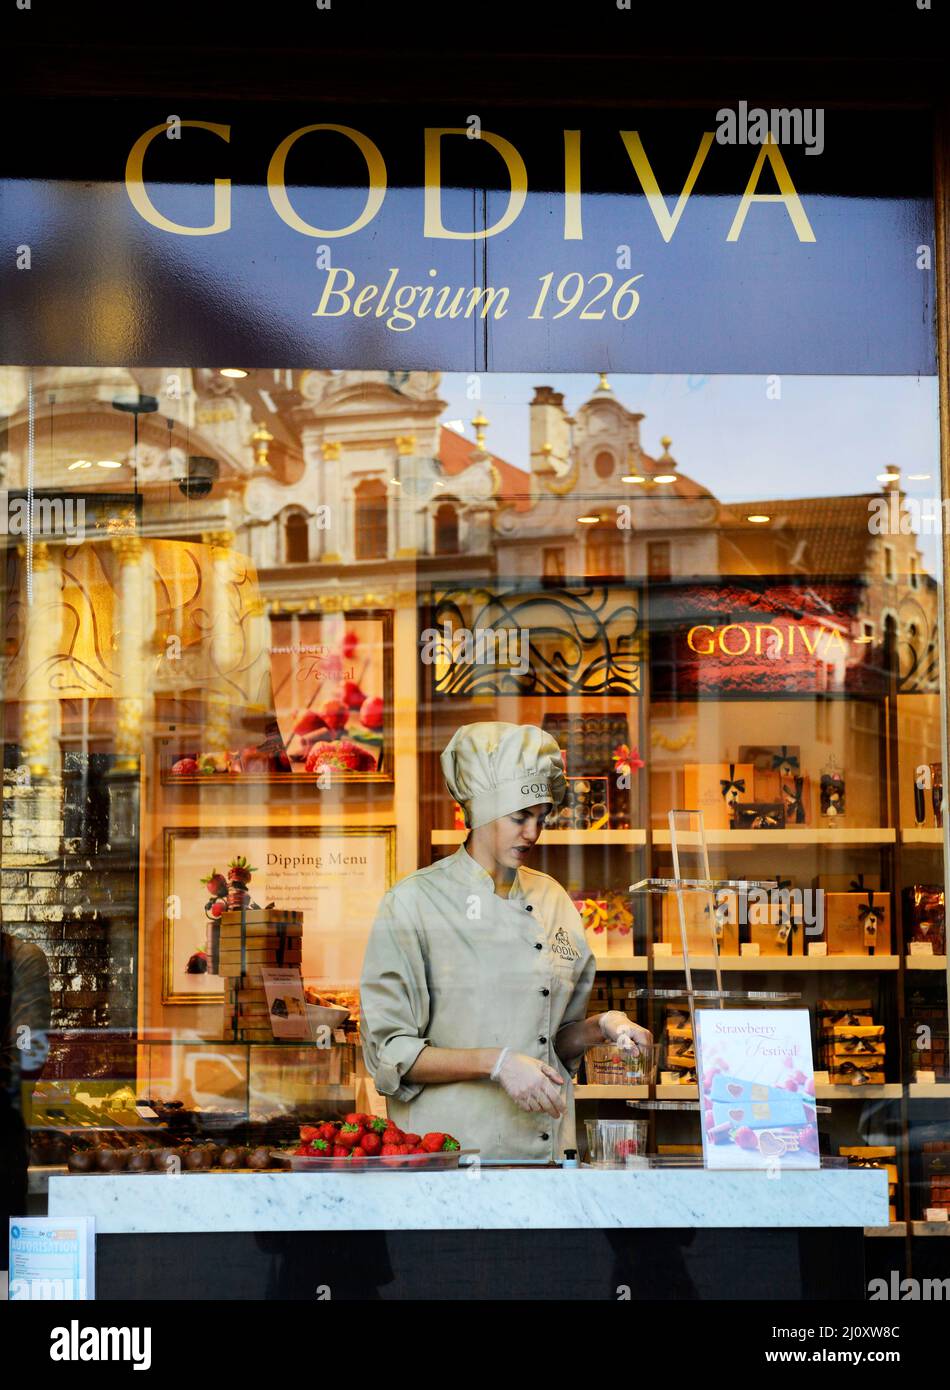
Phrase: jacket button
pixel 542 1040
pixel 545 992
pixel 538 946
pixel 545 1136
pixel 529 908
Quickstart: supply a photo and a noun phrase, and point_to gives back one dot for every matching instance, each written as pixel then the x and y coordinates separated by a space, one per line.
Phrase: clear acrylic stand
pixel 688 844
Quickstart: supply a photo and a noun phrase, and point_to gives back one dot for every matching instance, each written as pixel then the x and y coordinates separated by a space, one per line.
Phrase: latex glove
pixel 531 1084
pixel 618 1028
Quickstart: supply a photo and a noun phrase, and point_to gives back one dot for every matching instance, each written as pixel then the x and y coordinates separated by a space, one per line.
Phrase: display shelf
pixel 922 835
pixel 929 1090
pixel 611 1092
pixel 777 963
pixel 925 962
pixel 804 835
pixel 930 1228
pixel 559 837
pixel 889 1091
pixel 894 1228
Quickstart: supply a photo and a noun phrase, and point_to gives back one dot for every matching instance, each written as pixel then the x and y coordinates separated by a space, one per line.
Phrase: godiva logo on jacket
pixel 541 788
pixel 563 946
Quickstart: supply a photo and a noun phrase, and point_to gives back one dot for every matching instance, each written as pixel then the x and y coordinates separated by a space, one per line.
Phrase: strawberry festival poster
pixel 335 875
pixel 332 691
pixel 758 1088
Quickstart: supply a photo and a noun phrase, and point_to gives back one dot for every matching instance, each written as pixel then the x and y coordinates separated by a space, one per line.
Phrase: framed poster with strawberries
pixel 334 875
pixel 758 1088
pixel 331 690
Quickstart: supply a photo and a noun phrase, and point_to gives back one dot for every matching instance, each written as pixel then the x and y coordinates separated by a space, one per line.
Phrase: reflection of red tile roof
pixel 834 529
pixel 456 453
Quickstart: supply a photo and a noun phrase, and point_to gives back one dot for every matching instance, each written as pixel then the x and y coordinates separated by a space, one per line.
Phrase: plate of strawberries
pixel 369 1143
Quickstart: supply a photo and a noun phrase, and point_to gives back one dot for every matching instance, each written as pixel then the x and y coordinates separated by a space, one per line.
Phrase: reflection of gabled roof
pixel 457 453
pixel 834 529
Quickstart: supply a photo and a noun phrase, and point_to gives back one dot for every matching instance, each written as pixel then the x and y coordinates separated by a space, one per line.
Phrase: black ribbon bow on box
pixel 792 796
pixel 727 784
pixel 868 914
pixel 784 760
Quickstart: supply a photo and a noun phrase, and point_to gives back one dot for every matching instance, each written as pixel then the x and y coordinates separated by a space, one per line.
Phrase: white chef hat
pixel 493 769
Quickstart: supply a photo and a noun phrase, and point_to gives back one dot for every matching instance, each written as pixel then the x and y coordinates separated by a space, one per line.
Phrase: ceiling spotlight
pixel 588 520
pixel 888 477
pixel 665 478
pixel 80 463
pixel 918 477
pixel 758 517
pixel 232 371
pixel 632 478
pixel 395 482
pixel 108 463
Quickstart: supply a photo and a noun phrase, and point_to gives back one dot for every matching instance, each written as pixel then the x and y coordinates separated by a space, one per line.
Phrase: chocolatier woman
pixel 476 977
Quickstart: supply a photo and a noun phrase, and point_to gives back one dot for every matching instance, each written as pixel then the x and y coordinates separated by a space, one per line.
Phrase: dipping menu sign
pixel 688 240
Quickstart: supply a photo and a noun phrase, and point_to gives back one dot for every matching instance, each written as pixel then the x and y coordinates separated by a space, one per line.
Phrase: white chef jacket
pixel 451 963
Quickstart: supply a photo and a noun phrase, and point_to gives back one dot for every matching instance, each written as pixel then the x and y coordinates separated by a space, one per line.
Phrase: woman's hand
pixel 531 1084
pixel 618 1028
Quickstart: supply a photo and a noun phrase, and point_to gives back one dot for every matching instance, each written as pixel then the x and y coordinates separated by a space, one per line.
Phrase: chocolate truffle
pixel 234 1157
pixel 81 1161
pixel 140 1161
pixel 196 1159
pixel 260 1158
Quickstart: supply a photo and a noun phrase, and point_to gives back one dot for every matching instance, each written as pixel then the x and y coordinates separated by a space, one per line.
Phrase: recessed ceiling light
pixel 665 478
pixel 232 371
pixel 632 478
pixel 918 477
pixel 80 463
pixel 588 520
pixel 107 463
pixel 888 477
pixel 758 517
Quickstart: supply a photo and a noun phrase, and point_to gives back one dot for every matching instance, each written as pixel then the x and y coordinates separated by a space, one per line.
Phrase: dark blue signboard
pixel 688 240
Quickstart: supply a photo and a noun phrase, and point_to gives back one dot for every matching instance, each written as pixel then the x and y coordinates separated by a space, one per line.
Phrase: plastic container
pixel 616 1143
pixel 614 1066
pixel 378 1163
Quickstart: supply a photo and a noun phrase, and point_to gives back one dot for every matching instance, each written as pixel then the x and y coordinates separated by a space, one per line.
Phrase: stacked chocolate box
pixel 243 944
pixel 852 1044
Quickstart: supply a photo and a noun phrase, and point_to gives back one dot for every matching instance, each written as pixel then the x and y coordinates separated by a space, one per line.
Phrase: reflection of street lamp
pixel 135 406
pixel 261 439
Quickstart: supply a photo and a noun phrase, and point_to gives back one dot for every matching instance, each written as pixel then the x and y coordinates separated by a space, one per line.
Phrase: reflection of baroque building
pixel 346 488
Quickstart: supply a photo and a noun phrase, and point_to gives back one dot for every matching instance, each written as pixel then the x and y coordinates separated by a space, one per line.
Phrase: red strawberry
pixel 412 1139
pixel 371 1142
pixel 328 1132
pixel 339 1151
pixel 451 1145
pixel 307 721
pixel 185 767
pixel 433 1142
pixel 335 714
pixel 354 1118
pixel 308 1132
pixel 402 1148
pixel 371 712
pixel 351 695
pixel 377 1125
pixel 387 1149
pixel 392 1135
pixel 320 1147
pixel 745 1138
pixel 350 642
pixel 349 1136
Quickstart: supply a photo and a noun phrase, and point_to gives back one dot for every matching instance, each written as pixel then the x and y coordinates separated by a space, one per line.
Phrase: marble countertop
pixel 485 1199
